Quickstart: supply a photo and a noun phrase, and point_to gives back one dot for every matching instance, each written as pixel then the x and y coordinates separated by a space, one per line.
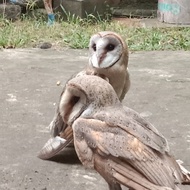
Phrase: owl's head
pixel 84 96
pixel 106 49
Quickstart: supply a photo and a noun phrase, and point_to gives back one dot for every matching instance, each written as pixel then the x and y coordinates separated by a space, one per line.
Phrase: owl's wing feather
pixel 121 173
pixel 56 144
pixel 133 123
pixel 136 116
pixel 129 159
pixel 56 125
pixel 126 175
pixel 52 147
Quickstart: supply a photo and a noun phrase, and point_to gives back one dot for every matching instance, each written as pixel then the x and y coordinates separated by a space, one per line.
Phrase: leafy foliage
pixel 75 33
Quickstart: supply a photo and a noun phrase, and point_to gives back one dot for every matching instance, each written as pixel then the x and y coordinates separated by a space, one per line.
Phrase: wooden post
pixel 174 11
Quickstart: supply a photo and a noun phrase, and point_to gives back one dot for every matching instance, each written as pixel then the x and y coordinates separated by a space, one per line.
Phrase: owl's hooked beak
pixel 101 57
pixel 98 58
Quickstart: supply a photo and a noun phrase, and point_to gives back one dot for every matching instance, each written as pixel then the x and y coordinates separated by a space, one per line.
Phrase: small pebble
pixel 45 45
pixel 58 83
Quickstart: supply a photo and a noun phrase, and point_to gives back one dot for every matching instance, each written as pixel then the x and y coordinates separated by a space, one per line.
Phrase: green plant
pixel 75 33
pixel 70 18
pixel 31 4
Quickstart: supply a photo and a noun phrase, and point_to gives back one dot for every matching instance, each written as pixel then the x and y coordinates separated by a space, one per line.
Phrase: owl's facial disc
pixel 72 104
pixel 105 51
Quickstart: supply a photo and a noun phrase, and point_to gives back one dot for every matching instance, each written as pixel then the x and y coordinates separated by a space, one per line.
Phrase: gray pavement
pixel 146 22
pixel 160 91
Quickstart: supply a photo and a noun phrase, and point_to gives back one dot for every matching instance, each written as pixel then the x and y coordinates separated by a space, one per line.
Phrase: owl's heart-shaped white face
pixel 104 51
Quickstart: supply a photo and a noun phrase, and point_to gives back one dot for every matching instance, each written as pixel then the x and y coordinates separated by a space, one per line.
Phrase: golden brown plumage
pixel 115 141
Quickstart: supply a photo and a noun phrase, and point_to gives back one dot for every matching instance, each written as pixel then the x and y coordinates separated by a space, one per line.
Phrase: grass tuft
pixel 76 32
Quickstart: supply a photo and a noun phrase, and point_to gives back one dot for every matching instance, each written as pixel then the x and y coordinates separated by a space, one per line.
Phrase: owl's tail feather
pixel 127 176
pixel 185 172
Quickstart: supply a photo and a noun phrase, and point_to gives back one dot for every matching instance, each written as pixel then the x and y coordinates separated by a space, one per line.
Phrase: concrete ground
pixel 160 91
pixel 146 22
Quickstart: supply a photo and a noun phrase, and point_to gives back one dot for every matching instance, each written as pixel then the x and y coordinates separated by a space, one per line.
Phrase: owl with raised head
pixel 120 148
pixel 108 59
pixel 108 56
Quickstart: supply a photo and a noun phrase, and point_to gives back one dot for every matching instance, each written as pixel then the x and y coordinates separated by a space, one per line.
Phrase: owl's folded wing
pixel 131 122
pixel 128 158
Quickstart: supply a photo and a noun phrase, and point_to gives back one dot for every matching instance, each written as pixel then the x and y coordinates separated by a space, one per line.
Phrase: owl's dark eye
pixel 94 47
pixel 110 47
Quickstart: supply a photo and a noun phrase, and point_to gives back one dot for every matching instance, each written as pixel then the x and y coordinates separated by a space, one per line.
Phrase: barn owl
pixel 120 148
pixel 108 58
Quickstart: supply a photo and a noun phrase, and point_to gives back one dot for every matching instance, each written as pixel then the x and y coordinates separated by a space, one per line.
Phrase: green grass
pixel 75 33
